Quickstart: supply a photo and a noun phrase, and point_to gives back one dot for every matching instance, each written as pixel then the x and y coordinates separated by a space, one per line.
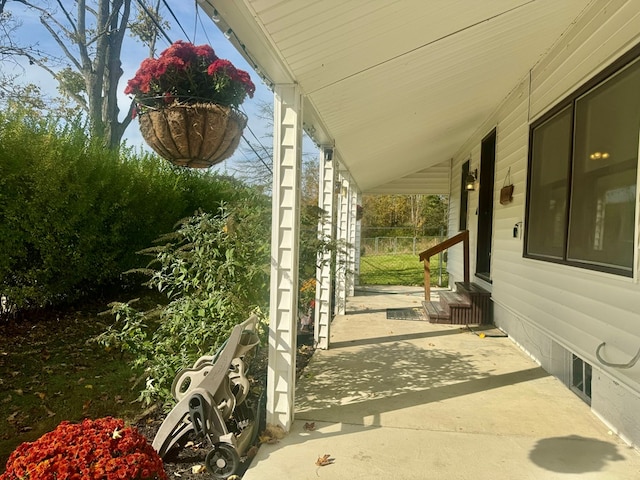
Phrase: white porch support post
pixel 356 267
pixel 351 234
pixel 342 224
pixel 326 232
pixel 285 229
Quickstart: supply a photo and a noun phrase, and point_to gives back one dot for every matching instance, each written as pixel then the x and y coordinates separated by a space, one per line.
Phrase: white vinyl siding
pixel 579 309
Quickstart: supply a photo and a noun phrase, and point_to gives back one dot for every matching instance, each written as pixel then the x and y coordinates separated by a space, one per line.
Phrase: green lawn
pixel 398 270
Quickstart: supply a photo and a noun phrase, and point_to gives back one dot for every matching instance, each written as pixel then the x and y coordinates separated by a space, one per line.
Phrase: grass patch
pixel 49 372
pixel 398 270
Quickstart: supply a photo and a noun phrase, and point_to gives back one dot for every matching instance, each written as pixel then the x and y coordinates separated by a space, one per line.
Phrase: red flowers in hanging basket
pixel 186 75
pixel 102 449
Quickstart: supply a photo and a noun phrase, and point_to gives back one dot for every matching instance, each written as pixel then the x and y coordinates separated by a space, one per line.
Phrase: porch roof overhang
pixel 396 87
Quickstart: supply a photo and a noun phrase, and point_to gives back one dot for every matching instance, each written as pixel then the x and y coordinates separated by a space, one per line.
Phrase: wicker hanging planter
pixel 193 135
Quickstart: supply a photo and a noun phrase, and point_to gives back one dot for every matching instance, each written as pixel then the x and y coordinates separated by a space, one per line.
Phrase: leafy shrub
pixel 74 214
pixel 214 270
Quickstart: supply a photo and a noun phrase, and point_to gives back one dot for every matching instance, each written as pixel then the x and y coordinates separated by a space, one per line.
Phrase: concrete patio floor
pixel 404 399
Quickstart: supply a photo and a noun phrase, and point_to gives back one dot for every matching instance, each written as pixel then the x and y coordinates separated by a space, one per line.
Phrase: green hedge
pixel 73 215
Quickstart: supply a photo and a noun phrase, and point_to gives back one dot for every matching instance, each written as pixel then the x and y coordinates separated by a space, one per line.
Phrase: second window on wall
pixel 582 177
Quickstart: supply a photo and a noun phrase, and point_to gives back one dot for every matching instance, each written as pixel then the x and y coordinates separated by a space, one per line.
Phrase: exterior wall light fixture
pixel 470 181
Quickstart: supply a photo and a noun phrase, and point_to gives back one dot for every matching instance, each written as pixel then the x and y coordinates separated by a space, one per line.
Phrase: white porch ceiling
pixel 398 85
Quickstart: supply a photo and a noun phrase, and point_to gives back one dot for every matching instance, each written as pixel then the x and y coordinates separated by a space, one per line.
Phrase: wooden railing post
pixel 427 254
pixel 465 247
pixel 427 279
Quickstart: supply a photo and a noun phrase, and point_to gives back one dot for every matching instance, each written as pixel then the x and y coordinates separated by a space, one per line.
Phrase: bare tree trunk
pixel 100 69
pixel 415 205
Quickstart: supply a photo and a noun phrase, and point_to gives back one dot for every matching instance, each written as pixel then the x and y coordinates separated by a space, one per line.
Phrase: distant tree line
pixel 404 215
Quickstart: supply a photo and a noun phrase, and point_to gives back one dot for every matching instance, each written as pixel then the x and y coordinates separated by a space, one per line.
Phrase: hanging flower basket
pixel 187 102
pixel 198 135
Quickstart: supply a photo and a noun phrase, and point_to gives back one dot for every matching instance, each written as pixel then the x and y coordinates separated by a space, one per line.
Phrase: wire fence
pixel 397 245
pixel 394 261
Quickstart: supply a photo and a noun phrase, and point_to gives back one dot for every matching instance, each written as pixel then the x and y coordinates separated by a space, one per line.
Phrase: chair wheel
pixel 222 461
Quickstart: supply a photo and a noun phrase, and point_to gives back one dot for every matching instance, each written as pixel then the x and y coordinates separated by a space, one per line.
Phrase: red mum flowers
pixel 187 73
pixel 102 449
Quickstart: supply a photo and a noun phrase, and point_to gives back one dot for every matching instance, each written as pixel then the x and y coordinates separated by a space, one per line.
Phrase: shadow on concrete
pixel 387 379
pixel 574 454
pixel 388 290
pixel 354 384
pixel 393 338
pixel 355 413
pixel 365 311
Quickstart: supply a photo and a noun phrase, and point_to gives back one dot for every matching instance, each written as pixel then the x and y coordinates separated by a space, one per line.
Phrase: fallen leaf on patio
pixel 324 460
pixel 88 386
pixel 252 452
pixel 40 395
pixel 198 469
pixel 272 434
pixel 310 426
pixel 19 391
pixel 266 439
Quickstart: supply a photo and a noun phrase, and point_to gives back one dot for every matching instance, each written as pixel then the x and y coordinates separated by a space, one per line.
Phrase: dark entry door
pixel 485 206
pixel 464 196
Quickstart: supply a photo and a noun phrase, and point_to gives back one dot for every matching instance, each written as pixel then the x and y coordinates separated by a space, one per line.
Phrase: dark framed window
pixel 583 160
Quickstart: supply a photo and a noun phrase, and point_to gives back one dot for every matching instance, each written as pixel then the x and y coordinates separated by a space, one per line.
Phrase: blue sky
pixel 199 30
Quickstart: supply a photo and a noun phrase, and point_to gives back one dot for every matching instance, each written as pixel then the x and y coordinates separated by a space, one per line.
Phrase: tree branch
pixel 45 13
pixel 82 37
pixel 69 17
pixel 127 120
pixel 61 44
pixel 40 63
